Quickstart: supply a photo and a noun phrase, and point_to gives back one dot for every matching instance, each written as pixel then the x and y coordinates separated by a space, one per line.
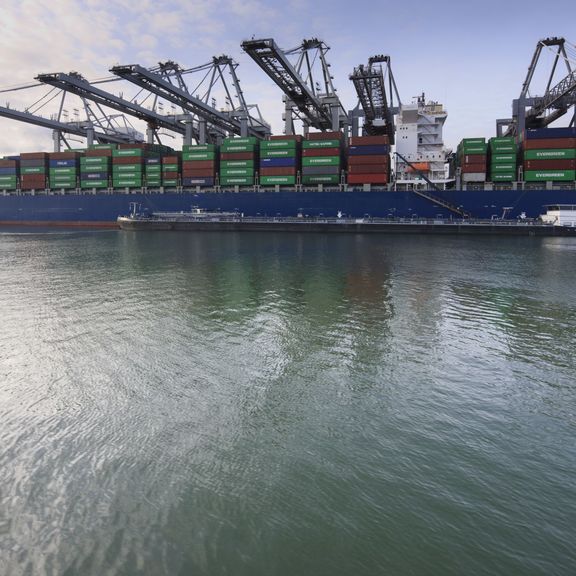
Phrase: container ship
pixel 394 166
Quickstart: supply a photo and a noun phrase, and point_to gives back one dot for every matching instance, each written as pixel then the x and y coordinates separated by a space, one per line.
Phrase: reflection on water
pixel 286 404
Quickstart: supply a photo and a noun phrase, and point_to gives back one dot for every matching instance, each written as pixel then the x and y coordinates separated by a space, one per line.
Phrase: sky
pixel 471 57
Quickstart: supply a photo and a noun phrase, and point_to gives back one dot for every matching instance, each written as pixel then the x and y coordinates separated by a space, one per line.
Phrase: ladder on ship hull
pixel 432 197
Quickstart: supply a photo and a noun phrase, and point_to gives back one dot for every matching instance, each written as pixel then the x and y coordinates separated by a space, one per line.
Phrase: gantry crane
pixel 370 84
pixel 557 100
pixel 313 102
pixel 167 82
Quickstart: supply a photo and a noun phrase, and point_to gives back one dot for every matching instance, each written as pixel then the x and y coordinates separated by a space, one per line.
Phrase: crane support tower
pixel 313 102
pixel 370 84
pixel 557 99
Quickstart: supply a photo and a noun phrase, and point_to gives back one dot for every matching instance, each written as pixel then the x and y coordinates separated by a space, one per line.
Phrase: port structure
pixel 167 81
pixel 557 100
pixel 370 83
pixel 76 84
pixel 313 102
pixel 97 126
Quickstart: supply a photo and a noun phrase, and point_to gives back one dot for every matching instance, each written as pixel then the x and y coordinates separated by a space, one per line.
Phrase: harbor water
pixel 256 404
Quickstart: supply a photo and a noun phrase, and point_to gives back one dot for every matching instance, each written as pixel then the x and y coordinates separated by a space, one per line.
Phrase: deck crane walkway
pixel 74 83
pixel 370 84
pixel 540 111
pixel 234 122
pixel 305 100
pixel 432 197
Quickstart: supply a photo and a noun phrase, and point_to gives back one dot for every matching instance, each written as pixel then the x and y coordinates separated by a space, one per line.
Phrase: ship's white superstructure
pixel 419 139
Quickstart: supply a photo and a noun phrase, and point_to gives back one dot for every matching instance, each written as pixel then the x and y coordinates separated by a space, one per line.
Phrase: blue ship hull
pixel 103 208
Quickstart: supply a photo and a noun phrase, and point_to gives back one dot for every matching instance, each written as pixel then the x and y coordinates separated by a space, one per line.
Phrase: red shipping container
pixel 474 159
pixel 324 135
pixel 368 168
pixel 237 156
pixel 198 173
pixel 170 159
pixel 473 168
pixel 367 178
pixel 549 143
pixel 296 137
pixel 321 152
pixel 34 156
pixel 199 164
pixel 369 159
pixel 98 153
pixel 8 163
pixel 170 175
pixel 369 140
pixel 127 146
pixel 279 171
pixel 550 164
pixel 64 155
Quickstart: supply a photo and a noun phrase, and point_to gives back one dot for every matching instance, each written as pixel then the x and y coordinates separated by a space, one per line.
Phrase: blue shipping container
pixel 368 150
pixel 63 163
pixel 544 133
pixel 8 172
pixel 197 181
pixel 94 176
pixel 277 162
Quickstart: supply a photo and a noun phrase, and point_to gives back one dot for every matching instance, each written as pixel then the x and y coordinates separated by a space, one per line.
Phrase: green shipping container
pixel 170 182
pixel 236 164
pixel 468 149
pixel 502 140
pixel 59 184
pixel 268 180
pixel 94 184
pixel 321 179
pixel 236 181
pixel 127 152
pixel 208 155
pixel 154 169
pixel 237 172
pixel 127 169
pixel 170 167
pixel 7 182
pixel 287 153
pixel 103 147
pixel 95 161
pixel 503 167
pixel 68 171
pixel 503 158
pixel 153 182
pixel 549 175
pixel 503 148
pixel 127 183
pixel 321 161
pixel 321 143
pixel 472 141
pixel 275 144
pixel 198 148
pixel 237 148
pixel 503 177
pixel 558 154
pixel 33 170
pixel 252 140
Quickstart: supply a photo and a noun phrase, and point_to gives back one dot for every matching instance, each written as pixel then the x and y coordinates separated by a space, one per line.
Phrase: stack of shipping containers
pixel 503 159
pixel 322 158
pixel 95 166
pixel 472 159
pixel 280 159
pixel 171 170
pixel 153 172
pixel 199 165
pixel 550 154
pixel 64 169
pixel 33 170
pixel 238 160
pixel 128 166
pixel 9 173
pixel 369 160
